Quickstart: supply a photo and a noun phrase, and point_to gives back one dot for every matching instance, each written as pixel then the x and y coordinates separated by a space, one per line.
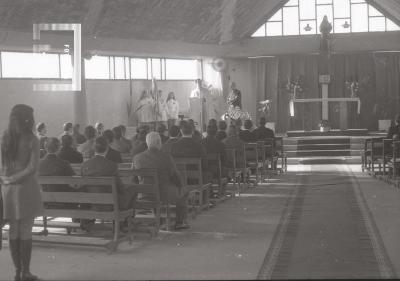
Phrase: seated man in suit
pixel 77 136
pixel 188 147
pixel 139 141
pixel 196 135
pixel 161 129
pixel 171 189
pixel 394 131
pixel 118 144
pixel 221 134
pixel 67 153
pixel 212 145
pixel 100 166
pixel 173 138
pixel 246 135
pixel 261 132
pixel 112 154
pixel 124 140
pixel 233 141
pixel 87 148
pixel 52 165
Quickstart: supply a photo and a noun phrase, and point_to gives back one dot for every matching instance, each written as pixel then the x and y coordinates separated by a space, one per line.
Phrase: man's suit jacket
pixel 246 136
pixel 212 145
pixel 221 135
pixel 113 155
pixel 70 155
pixel 164 138
pixel 167 146
pixel 168 175
pixel 120 146
pixel 52 165
pixel 99 166
pixel 262 133
pixel 187 147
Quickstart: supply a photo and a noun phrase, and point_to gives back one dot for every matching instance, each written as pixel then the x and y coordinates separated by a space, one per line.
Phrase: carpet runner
pixel 326 231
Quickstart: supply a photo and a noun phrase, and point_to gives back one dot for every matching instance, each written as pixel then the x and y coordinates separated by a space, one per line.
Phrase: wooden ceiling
pixel 193 21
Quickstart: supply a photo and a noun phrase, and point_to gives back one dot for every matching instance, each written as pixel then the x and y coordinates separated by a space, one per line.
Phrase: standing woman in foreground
pixel 20 189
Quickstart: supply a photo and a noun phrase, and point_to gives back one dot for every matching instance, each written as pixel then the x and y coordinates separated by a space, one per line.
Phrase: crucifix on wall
pixel 324 80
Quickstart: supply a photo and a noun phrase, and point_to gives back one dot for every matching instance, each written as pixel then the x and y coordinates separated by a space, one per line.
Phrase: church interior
pixel 274 126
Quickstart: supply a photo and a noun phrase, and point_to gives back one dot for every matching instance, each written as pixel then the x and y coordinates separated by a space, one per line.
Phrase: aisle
pixel 327 231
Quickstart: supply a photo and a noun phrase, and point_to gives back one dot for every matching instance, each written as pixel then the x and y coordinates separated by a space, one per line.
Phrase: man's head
pixel 109 135
pixel 123 130
pixel 90 132
pixel 397 119
pixel 191 123
pixel 232 131
pixel 142 134
pixel 66 141
pixel 212 122
pixel 262 122
pixel 161 128
pixel 211 130
pixel 67 127
pixel 222 125
pixel 76 128
pixel 99 127
pixel 173 131
pixel 101 145
pixel 41 128
pixel 52 145
pixel 153 140
pixel 117 132
pixel 248 124
pixel 186 129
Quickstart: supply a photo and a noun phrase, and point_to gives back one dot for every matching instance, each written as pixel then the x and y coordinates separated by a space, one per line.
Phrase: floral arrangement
pixel 324 125
pixel 295 87
pixel 265 107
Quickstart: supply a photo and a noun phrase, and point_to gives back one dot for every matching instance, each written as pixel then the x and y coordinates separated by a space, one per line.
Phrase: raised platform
pixel 315 133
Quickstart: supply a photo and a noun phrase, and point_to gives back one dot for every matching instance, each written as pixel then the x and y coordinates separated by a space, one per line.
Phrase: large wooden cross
pixel 324 80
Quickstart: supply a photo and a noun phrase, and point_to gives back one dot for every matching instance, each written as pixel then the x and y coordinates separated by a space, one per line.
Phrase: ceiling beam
pixel 389 8
pixel 92 17
pixel 227 21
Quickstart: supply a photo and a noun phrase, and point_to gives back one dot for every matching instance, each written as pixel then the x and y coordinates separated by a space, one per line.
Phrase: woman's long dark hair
pixel 171 95
pixel 21 122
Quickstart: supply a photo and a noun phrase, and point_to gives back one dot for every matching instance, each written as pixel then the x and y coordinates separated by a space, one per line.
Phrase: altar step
pixel 327 146
pixel 317 160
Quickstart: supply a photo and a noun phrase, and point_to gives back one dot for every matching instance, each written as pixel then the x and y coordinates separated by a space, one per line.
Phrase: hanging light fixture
pixel 346 24
pixel 307 27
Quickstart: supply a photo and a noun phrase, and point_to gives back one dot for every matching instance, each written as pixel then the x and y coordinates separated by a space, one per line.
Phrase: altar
pixel 333 132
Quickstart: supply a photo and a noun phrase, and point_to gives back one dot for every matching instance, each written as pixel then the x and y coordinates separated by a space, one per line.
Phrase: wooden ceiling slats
pixel 192 21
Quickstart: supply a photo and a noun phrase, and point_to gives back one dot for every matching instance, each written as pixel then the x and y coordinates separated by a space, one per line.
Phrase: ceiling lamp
pixel 346 24
pixel 307 27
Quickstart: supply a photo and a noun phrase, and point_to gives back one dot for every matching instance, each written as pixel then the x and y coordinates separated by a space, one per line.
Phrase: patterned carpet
pixel 326 231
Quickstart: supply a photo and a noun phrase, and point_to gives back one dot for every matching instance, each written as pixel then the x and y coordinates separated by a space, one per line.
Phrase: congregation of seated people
pixel 99 150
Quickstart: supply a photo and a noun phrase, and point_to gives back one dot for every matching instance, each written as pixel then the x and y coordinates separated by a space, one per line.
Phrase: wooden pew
pixel 218 185
pixel 253 159
pixel 147 207
pixel 234 173
pixel 81 196
pixel 199 190
pixel 374 152
pixel 280 154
